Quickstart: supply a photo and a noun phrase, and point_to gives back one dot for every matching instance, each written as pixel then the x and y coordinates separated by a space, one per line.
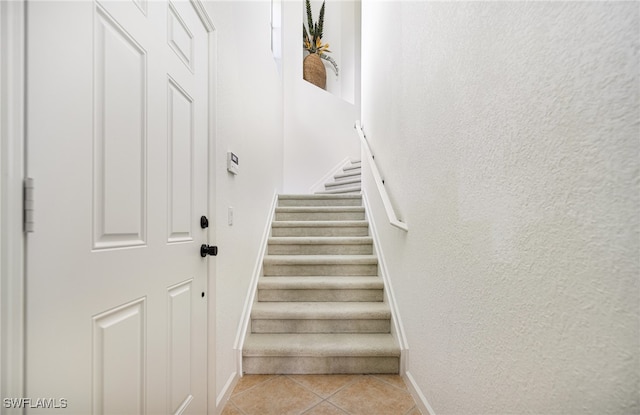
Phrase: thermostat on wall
pixel 232 163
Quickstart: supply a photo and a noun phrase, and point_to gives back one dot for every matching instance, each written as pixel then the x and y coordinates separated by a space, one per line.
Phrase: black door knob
pixel 208 250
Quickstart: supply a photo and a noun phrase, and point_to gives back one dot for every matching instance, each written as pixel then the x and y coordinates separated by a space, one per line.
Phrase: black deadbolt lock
pixel 204 222
pixel 208 250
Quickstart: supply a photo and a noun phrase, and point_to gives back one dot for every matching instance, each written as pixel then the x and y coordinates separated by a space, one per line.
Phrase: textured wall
pixel 249 123
pixel 509 137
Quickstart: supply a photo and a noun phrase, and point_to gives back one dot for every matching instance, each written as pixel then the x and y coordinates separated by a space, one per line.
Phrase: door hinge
pixel 28 204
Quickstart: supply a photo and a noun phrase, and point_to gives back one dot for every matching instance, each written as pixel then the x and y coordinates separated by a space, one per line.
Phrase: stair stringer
pixel 245 320
pixel 397 329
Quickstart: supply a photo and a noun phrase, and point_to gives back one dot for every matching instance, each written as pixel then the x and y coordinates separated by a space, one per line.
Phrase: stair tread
pixel 343 182
pixel 348 174
pixel 313 209
pixel 344 178
pixel 321 344
pixel 317 196
pixel 320 240
pixel 321 310
pixel 318 223
pixel 320 283
pixel 345 190
pixel 321 259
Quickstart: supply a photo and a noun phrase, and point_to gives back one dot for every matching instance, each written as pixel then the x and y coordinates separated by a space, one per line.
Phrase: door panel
pixel 119 345
pixel 117 144
pixel 180 120
pixel 180 347
pixel 120 148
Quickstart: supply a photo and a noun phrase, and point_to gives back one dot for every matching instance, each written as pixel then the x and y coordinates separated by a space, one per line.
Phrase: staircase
pixel 320 307
pixel 346 182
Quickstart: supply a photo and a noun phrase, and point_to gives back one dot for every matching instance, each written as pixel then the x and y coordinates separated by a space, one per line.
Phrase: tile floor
pixel 321 395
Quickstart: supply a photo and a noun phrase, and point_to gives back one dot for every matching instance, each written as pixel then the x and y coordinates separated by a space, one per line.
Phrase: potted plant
pixel 313 67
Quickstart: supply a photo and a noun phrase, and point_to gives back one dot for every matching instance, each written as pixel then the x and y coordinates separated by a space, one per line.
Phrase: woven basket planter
pixel 313 70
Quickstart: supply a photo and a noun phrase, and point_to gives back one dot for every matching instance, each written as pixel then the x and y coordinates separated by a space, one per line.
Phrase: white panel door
pixel 116 289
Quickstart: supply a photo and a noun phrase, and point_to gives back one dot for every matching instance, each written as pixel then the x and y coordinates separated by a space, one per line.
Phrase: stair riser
pixel 349 180
pixel 341 187
pixel 350 189
pixel 320 365
pixel 320 326
pixel 320 295
pixel 321 231
pixel 328 270
pixel 320 249
pixel 345 180
pixel 352 168
pixel 327 200
pixel 350 174
pixel 357 215
pixel 355 201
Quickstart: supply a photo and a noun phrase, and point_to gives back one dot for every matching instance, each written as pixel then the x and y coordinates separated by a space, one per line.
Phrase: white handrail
pixel 388 207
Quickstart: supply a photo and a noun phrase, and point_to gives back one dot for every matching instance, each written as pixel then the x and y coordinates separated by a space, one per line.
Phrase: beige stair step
pixel 293 245
pixel 317 213
pixel 343 182
pixel 321 344
pixel 342 187
pixel 293 288
pixel 327 353
pixel 320 317
pixel 349 189
pixel 320 265
pixel 319 200
pixel 353 166
pixel 348 176
pixel 320 228
pixel 321 283
pixel 321 311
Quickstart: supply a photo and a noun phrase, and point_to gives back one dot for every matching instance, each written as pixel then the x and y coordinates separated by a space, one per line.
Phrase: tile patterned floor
pixel 321 395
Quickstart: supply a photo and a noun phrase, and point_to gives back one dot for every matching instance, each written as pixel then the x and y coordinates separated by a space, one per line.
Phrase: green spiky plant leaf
pixel 309 17
pixel 320 22
pixel 312 36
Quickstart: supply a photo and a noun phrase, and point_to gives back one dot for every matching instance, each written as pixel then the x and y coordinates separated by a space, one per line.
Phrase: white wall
pixel 318 132
pixel 249 123
pixel 508 135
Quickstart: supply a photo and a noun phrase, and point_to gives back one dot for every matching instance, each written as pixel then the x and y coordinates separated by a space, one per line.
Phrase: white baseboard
pixel 319 185
pixel 421 401
pixel 243 327
pixel 225 394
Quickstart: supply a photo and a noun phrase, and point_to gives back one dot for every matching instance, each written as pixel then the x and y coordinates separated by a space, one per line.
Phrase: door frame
pixel 212 42
pixel 12 164
pixel 12 169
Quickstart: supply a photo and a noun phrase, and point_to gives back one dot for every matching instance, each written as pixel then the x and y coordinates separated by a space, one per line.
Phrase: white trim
pixel 388 207
pixel 212 43
pixel 201 11
pixel 12 239
pixel 418 396
pixel 243 327
pixel 225 394
pixel 319 185
pixel 396 321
